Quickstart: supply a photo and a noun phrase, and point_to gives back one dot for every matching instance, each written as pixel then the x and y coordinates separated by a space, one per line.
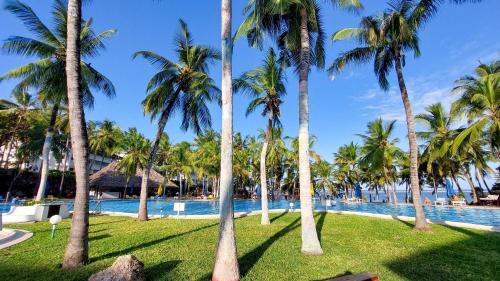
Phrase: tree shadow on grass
pixel 320 223
pixel 158 271
pixel 252 257
pixel 475 258
pixel 129 250
pixel 278 216
pixel 407 223
pixel 100 237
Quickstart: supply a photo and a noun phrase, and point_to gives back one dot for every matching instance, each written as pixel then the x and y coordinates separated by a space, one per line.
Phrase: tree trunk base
pixel 312 252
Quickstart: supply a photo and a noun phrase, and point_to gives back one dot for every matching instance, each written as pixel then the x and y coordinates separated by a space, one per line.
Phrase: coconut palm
pixel 77 249
pixel 297 28
pixel 105 141
pixel 323 172
pixel 380 153
pixel 183 159
pixel 479 101
pixel 347 161
pixel 208 157
pixel 438 137
pixel 387 39
pixel 184 85
pixel 47 73
pixel 266 84
pixel 226 259
pixel 136 148
pixel 18 109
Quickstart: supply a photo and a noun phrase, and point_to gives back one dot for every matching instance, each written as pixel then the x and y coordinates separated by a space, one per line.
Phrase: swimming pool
pixel 484 216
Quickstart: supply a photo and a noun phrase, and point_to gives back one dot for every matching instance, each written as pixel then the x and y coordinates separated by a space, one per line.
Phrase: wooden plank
pixel 364 276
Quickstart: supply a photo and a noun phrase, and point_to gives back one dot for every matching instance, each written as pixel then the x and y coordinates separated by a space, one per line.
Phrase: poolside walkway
pixel 10 237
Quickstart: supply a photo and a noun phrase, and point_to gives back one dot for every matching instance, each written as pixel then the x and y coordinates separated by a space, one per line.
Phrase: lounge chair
pixel 491 200
pixel 460 202
pixel 440 201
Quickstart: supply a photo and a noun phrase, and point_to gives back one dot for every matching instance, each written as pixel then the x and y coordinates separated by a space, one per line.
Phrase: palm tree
pixel 323 179
pixel 380 153
pixel 208 153
pixel 295 25
pixel 186 86
pixel 480 103
pixel 106 139
pixel 267 85
pixel 438 137
pixel 19 108
pixel 386 39
pixel 77 250
pixel 136 148
pixel 347 161
pixel 226 259
pixel 182 157
pixel 47 73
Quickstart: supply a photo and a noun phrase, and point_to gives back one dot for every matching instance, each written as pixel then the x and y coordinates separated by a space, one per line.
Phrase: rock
pixel 125 268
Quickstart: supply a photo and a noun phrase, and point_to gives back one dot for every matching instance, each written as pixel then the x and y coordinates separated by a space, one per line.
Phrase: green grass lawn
pixel 184 250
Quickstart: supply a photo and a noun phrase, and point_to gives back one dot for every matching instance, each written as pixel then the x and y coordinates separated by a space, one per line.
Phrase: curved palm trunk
pixel 65 163
pixel 47 145
pixel 475 197
pixel 143 202
pixel 5 157
pixel 9 190
pixel 484 182
pixel 310 241
pixel 226 258
pixel 78 245
pixel 420 221
pixel 456 182
pixel 263 177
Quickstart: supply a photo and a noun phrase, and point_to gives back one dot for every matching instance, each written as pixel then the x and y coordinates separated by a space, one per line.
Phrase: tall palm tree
pixel 297 28
pixel 480 103
pixel 106 140
pixel 226 259
pixel 380 153
pixel 183 159
pixel 267 86
pixel 347 161
pixel 387 38
pixel 184 85
pixel 136 148
pixel 47 74
pixel 77 250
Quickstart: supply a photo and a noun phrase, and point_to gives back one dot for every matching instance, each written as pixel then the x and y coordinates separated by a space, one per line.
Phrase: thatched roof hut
pixel 111 178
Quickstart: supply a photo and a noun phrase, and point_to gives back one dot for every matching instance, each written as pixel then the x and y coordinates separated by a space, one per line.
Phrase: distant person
pixel 427 201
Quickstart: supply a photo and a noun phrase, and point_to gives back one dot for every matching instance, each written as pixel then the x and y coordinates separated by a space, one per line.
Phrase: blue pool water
pixel 484 216
pixel 467 215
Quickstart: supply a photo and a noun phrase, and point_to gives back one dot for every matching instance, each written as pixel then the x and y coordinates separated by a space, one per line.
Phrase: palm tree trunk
pixel 143 202
pixel 263 180
pixel 420 221
pixel 475 197
pixel 226 259
pixel 456 182
pixel 9 190
pixel 102 162
pixel 78 245
pixel 126 187
pixel 65 163
pixel 484 182
pixel 5 157
pixel 47 146
pixel 310 241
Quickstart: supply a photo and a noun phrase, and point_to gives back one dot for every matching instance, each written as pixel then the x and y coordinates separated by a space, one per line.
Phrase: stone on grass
pixel 125 268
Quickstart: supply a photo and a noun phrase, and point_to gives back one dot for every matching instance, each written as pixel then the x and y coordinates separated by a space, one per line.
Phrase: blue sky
pixel 451 44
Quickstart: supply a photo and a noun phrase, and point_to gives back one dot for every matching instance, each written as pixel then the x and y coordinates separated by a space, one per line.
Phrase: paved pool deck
pixel 10 237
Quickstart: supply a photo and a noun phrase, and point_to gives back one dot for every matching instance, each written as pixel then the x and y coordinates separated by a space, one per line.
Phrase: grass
pixel 184 250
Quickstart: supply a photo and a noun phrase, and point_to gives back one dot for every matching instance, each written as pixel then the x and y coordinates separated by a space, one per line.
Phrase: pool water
pixel 484 216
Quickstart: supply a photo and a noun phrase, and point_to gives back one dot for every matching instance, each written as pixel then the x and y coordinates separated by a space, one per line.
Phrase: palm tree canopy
pixel 185 85
pixel 266 84
pixel 47 74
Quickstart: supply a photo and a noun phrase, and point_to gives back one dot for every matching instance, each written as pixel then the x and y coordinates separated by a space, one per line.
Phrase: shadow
pixel 110 222
pixel 252 257
pixel 461 230
pixel 99 237
pixel 129 250
pixel 278 216
pixel 407 223
pixel 158 271
pixel 319 224
pixel 474 258
pixel 98 230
